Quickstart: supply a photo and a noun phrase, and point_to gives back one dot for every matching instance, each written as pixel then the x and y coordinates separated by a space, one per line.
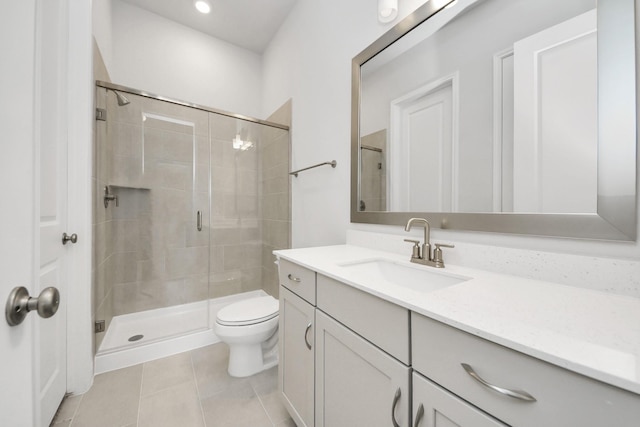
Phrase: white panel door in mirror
pixel 555 140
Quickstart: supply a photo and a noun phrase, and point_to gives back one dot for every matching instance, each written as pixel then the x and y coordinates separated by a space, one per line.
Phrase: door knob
pixel 19 304
pixel 66 238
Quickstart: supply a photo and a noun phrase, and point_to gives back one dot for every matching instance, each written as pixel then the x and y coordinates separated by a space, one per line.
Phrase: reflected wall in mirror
pixel 490 112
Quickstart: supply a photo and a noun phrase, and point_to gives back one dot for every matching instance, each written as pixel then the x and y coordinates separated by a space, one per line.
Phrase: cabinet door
pixel 433 406
pixel 296 372
pixel 357 384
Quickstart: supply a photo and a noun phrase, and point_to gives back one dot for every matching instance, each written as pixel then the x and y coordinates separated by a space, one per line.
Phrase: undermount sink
pixel 418 278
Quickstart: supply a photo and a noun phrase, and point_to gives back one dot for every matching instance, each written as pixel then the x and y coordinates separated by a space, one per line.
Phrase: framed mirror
pixel 511 116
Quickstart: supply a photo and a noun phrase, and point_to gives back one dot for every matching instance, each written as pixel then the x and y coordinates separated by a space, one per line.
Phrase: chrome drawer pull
pixel 419 415
pixel 306 333
pixel 396 398
pixel 517 394
pixel 294 278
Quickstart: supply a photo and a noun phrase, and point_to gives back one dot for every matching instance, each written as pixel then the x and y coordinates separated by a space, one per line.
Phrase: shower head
pixel 122 100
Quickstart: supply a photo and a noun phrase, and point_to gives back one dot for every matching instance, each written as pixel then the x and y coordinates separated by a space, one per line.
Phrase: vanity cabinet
pixel 346 361
pixel 515 388
pixel 434 406
pixel 357 384
pixel 296 342
pixel 351 358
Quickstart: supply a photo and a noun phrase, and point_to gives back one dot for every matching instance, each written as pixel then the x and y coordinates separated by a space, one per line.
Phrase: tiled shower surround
pixel 373 179
pixel 165 163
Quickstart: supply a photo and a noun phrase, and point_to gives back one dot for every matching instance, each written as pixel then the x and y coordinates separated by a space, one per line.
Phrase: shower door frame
pixel 116 87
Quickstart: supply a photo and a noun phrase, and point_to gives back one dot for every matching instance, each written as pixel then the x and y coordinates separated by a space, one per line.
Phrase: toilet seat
pixel 248 312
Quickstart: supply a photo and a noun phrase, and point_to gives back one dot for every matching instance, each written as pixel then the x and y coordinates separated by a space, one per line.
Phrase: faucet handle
pixel 416 248
pixel 437 253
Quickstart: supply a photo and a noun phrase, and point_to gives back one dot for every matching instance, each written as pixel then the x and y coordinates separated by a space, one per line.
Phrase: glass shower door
pixel 154 268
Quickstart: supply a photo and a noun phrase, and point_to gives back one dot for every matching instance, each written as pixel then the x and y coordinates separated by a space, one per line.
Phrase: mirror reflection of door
pixel 523 81
pixel 373 181
pixel 423 123
pixel 555 118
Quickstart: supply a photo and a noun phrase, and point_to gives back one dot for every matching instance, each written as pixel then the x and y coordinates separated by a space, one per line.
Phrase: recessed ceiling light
pixel 203 6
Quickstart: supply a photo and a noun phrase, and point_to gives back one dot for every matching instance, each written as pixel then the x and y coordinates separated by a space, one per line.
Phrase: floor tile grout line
pixel 75 411
pixel 195 379
pixel 140 394
pixel 264 408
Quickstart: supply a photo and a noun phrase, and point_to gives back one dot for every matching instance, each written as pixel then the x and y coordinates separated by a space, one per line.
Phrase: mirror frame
pixel 616 215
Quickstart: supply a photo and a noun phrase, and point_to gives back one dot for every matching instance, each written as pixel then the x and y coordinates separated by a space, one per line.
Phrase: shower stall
pixel 189 203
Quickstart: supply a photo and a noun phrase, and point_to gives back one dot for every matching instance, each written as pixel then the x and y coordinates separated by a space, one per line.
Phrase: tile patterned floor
pixel 191 389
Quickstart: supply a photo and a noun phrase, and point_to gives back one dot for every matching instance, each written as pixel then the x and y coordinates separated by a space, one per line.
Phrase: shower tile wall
pixel 235 226
pixel 373 180
pixel 160 173
pixel 275 187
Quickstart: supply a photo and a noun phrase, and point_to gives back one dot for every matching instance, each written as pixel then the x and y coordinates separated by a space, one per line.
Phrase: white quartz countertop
pixel 593 333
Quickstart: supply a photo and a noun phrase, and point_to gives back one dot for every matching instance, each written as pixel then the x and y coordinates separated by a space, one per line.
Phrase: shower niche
pixel 198 200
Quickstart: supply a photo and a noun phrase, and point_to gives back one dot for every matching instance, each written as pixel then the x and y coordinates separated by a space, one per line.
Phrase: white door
pixel 33 214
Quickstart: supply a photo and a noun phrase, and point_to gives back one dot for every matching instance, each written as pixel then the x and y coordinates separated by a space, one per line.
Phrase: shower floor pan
pixel 165 331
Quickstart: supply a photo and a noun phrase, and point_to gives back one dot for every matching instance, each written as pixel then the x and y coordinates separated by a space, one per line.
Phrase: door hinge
pixel 99 326
pixel 101 114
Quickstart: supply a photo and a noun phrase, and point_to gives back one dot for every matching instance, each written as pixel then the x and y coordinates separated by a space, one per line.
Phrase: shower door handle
pixel 199 220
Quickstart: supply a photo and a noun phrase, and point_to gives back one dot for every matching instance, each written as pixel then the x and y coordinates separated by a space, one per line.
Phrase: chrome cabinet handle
pixel 66 238
pixel 516 394
pixel 419 415
pixel 306 333
pixel 199 220
pixel 396 398
pixel 294 278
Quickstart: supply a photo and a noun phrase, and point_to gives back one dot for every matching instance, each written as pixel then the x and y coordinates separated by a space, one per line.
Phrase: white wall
pixel 101 24
pixel 154 54
pixel 309 61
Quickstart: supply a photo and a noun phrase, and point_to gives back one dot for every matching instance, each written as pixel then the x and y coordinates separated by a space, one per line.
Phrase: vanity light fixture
pixel 387 10
pixel 203 6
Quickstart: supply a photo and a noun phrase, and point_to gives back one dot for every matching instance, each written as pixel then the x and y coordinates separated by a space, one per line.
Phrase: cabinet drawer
pixel 299 280
pixel 383 323
pixel 563 398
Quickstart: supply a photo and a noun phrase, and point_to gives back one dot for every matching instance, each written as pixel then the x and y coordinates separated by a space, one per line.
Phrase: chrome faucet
pixel 422 255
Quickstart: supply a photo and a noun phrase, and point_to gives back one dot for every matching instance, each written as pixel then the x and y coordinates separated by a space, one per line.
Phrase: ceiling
pixel 250 24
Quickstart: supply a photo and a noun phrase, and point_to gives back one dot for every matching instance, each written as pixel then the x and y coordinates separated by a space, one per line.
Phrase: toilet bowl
pixel 250 328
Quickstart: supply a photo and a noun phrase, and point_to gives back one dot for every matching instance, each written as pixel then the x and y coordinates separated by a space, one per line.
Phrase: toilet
pixel 250 328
